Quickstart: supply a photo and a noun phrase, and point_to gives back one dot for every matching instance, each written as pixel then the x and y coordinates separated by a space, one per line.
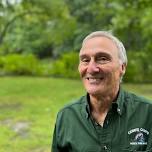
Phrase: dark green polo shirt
pixel 127 127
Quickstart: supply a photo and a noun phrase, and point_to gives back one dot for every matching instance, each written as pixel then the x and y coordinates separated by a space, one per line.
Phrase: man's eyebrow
pixel 103 53
pixel 97 54
pixel 83 56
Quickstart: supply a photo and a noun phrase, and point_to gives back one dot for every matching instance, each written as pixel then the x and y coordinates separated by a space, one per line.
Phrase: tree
pixel 35 27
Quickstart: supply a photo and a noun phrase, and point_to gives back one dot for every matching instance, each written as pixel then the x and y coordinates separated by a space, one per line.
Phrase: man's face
pixel 100 67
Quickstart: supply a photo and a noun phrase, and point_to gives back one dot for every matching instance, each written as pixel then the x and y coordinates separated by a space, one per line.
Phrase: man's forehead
pixel 98 44
pixel 99 41
pixel 94 54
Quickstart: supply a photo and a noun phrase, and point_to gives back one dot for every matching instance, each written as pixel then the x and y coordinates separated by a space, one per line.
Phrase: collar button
pixel 105 147
pixel 118 110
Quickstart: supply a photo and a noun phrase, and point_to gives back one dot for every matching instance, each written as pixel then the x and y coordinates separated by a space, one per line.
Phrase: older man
pixel 107 118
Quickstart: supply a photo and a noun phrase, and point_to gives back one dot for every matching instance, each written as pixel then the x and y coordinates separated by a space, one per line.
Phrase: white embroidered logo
pixel 138 136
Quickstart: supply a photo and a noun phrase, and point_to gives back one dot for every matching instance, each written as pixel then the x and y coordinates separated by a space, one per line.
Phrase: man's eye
pixel 102 59
pixel 84 60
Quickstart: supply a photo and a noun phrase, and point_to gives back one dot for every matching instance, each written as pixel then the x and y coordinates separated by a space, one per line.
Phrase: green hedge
pixel 139 67
pixel 15 64
pixel 66 66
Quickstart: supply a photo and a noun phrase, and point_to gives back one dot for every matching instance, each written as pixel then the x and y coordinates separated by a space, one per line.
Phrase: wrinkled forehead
pixel 99 42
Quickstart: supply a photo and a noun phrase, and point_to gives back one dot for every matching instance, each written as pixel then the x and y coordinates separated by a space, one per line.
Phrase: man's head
pixel 103 62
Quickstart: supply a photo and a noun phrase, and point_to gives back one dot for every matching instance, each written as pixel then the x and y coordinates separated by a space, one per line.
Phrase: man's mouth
pixel 94 79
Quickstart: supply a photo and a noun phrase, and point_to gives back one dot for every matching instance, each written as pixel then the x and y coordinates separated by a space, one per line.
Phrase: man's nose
pixel 93 67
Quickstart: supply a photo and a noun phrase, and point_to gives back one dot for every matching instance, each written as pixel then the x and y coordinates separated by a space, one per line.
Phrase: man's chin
pixel 94 92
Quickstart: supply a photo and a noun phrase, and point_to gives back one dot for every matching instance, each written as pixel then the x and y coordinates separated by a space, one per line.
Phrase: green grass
pixel 28 108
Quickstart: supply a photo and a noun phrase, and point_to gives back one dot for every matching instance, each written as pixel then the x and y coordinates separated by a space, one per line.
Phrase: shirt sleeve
pixel 58 143
pixel 54 147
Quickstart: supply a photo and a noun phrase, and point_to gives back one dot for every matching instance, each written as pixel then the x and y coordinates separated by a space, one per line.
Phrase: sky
pixel 4 2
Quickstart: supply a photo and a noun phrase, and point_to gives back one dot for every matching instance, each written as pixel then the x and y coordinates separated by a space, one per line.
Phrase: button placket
pixel 105 147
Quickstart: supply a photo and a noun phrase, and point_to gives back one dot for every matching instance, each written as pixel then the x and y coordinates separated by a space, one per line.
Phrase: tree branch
pixel 11 21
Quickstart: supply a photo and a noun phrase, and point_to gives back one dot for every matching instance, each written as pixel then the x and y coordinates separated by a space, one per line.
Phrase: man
pixel 107 119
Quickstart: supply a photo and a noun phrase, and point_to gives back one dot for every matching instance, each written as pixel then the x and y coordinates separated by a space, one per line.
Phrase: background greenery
pixel 43 31
pixel 27 114
pixel 41 39
pixel 28 108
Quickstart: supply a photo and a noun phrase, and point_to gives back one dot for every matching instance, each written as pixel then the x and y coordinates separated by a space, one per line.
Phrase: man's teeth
pixel 94 79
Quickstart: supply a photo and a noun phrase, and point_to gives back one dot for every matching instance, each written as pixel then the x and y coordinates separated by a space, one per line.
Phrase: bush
pixel 132 72
pixel 15 64
pixel 66 66
pixel 139 67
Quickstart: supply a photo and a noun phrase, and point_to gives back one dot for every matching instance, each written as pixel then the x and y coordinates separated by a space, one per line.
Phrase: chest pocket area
pixel 91 149
pixel 134 150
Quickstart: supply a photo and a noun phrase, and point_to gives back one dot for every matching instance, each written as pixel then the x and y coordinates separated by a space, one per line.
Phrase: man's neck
pixel 100 105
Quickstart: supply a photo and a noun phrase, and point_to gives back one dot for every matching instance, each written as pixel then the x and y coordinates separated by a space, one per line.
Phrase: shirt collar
pixel 87 106
pixel 118 104
pixel 120 101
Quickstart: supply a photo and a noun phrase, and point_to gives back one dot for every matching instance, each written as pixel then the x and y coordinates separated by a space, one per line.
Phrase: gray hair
pixel 122 51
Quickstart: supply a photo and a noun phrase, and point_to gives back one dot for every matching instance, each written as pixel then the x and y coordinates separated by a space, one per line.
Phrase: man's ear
pixel 123 69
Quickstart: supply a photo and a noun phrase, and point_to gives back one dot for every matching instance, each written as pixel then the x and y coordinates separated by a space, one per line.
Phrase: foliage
pixel 66 66
pixel 37 22
pixel 48 28
pixel 28 64
pixel 54 26
pixel 14 64
pixel 134 68
pixel 139 67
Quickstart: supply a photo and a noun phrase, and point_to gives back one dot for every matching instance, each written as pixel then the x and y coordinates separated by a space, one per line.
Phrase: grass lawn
pixel 28 107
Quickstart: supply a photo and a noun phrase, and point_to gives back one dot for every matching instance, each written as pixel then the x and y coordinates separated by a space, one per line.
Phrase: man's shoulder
pixel 137 99
pixel 75 104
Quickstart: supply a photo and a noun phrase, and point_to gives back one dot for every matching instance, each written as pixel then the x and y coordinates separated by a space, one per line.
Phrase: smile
pixel 94 79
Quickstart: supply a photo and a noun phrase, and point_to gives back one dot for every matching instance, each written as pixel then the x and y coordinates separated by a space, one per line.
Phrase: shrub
pixel 132 72
pixel 15 64
pixel 66 66
pixel 139 67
